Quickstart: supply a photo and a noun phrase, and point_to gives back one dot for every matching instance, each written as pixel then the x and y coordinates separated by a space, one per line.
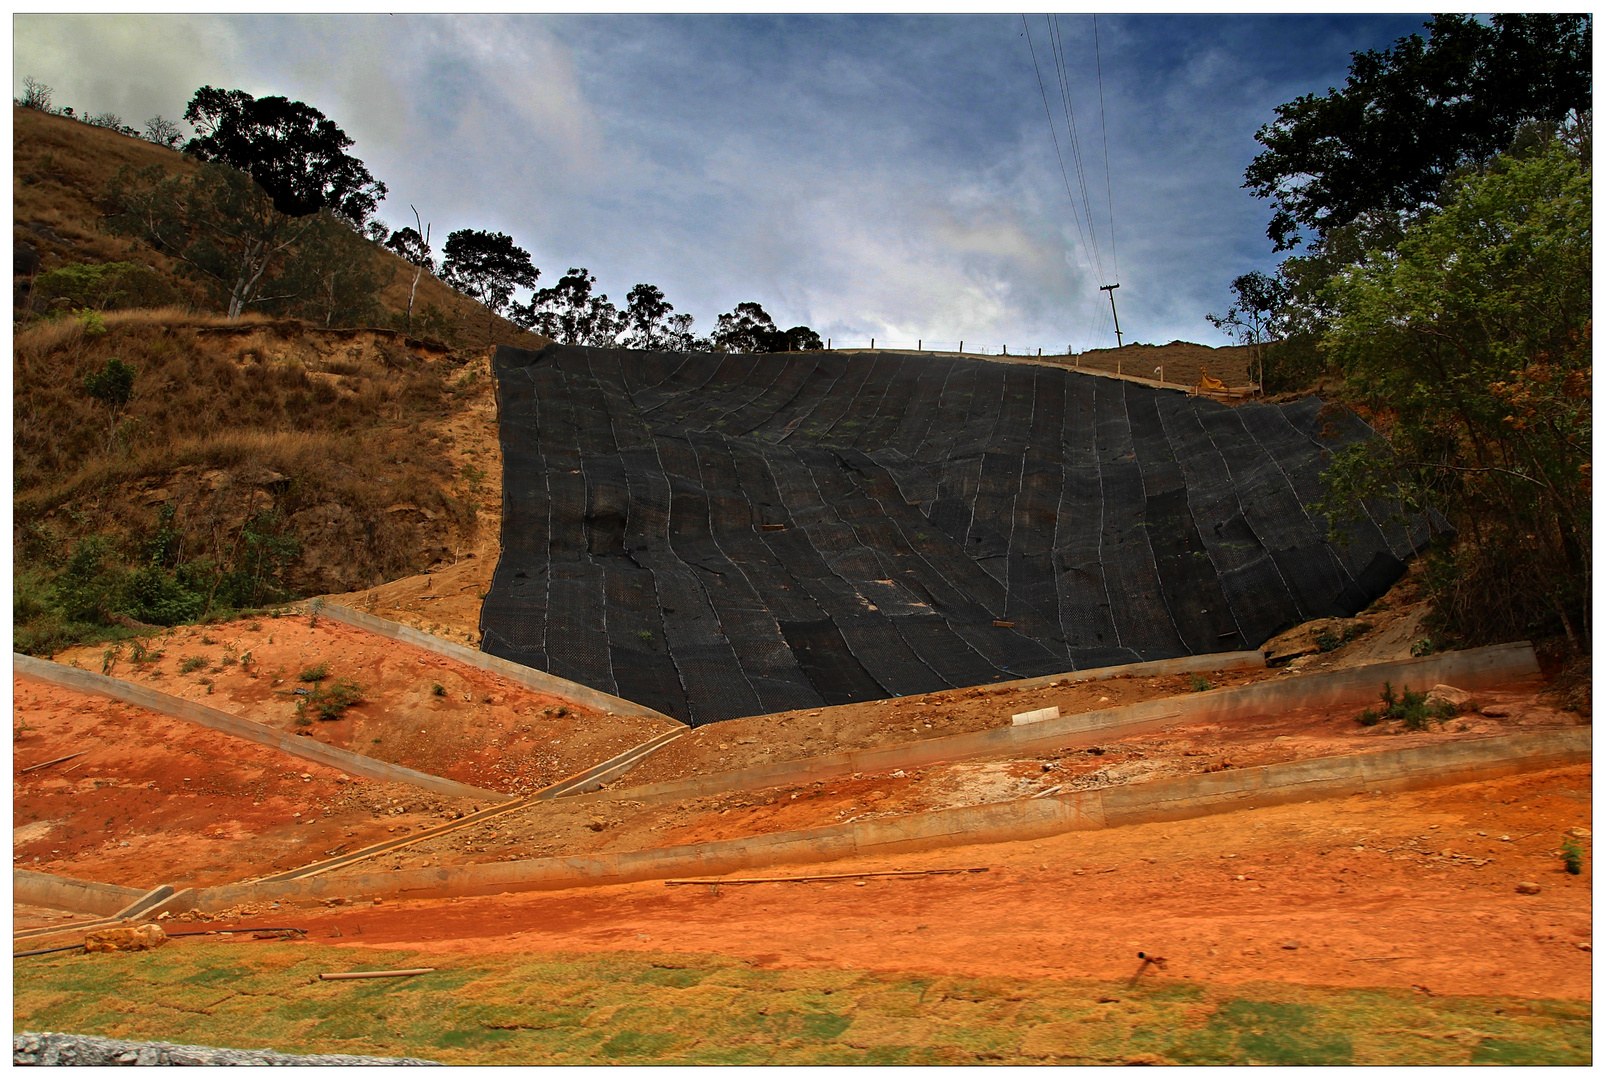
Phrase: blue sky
pixel 889 176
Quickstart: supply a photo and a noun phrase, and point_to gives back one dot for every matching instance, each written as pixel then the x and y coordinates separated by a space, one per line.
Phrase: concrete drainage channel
pixel 1029 819
pixel 1171 799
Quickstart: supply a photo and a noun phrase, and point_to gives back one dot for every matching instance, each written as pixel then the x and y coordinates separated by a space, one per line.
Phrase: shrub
pixel 330 702
pixel 191 663
pixel 315 673
pixel 1409 705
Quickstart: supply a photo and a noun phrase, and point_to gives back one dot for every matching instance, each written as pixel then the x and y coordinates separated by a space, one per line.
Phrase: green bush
pixel 191 663
pixel 314 673
pixel 330 702
pixel 1409 705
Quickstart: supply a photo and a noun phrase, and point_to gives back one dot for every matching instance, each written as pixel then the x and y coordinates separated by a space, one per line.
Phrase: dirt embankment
pixel 1414 890
pixel 417 709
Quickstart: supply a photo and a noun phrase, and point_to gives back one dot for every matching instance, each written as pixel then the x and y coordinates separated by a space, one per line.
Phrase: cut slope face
pixel 723 535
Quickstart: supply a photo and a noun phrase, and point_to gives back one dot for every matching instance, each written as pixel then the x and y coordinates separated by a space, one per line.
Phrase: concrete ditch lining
pixel 71 894
pixel 90 682
pixel 1473 669
pixel 1164 800
pixel 524 676
pixel 582 781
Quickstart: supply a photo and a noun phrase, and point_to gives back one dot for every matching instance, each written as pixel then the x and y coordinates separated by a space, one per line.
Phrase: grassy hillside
pixel 249 462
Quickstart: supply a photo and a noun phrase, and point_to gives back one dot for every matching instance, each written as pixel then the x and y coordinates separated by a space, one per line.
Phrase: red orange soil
pixel 619 823
pixel 479 728
pixel 156 800
pixel 1400 890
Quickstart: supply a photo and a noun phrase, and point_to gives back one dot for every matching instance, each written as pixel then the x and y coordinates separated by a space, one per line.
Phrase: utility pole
pixel 1111 290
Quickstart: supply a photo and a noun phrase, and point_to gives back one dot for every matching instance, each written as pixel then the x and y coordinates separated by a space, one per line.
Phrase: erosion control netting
pixel 722 536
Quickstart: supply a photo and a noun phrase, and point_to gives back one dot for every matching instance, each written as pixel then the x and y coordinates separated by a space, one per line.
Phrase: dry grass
pixel 330 430
pixel 660 1008
pixel 61 167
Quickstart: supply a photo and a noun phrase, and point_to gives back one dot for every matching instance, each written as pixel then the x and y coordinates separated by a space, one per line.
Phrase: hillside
pixel 253 461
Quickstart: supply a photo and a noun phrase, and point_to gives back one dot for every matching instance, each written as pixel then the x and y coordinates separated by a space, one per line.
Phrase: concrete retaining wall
pixel 524 676
pixel 1470 670
pixel 306 749
pixel 1191 796
pixel 71 894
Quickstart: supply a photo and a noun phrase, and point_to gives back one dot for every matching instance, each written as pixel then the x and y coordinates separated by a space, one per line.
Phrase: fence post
pixel 918 345
pixel 827 344
pixel 961 346
pixel 872 344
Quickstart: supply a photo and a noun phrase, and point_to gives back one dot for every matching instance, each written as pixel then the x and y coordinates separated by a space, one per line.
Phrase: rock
pixel 1290 945
pixel 1528 888
pixel 56 1048
pixel 1448 695
pixel 1578 831
pixel 1496 710
pixel 1586 946
pixel 126 939
pixel 1321 635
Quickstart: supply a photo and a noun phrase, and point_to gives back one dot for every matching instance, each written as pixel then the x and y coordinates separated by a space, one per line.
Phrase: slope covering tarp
pixel 719 535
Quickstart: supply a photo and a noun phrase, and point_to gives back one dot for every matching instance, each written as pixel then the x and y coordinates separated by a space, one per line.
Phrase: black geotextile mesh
pixel 718 536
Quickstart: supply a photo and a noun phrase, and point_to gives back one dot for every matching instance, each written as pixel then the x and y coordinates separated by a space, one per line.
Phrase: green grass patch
pixel 670 1009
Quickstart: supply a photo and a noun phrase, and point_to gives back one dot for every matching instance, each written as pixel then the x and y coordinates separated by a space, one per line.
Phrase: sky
pixel 892 177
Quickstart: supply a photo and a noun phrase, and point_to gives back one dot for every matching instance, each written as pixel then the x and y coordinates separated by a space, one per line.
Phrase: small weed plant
pixel 329 702
pixel 1410 706
pixel 141 653
pixel 315 673
pixel 438 690
pixel 1572 857
pixel 1198 683
pixel 191 663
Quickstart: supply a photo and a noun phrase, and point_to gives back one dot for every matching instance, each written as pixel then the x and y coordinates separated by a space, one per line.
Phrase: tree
pixel 749 329
pixel 570 313
pixel 488 267
pixel 1469 349
pixel 802 339
pixel 650 322
pixel 163 132
pixel 290 148
pixel 331 276
pixel 1380 150
pixel 35 94
pixel 413 247
pixel 1255 316
pixel 218 223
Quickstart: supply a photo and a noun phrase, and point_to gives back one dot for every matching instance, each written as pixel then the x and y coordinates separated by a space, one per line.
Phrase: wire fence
pixel 966 347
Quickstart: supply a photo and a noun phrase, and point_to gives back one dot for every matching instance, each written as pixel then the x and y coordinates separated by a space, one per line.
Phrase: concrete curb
pixel 1470 670
pixel 582 781
pixel 181 709
pixel 1164 800
pixel 72 894
pixel 524 676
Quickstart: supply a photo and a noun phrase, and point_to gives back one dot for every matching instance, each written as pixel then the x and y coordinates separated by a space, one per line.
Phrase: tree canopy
pixel 487 266
pixel 1408 118
pixel 570 313
pixel 296 153
pixel 1468 347
pixel 750 329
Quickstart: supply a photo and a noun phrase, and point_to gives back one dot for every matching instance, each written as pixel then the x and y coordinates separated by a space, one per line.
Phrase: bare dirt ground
pixel 1414 890
pixel 623 824
pixel 156 800
pixel 419 709
pixel 446 600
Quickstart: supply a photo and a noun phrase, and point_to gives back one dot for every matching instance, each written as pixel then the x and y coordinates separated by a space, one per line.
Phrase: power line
pixel 1076 141
pixel 1109 193
pixel 1047 112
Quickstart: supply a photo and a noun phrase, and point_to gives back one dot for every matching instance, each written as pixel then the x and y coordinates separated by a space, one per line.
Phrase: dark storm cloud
pixel 887 176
